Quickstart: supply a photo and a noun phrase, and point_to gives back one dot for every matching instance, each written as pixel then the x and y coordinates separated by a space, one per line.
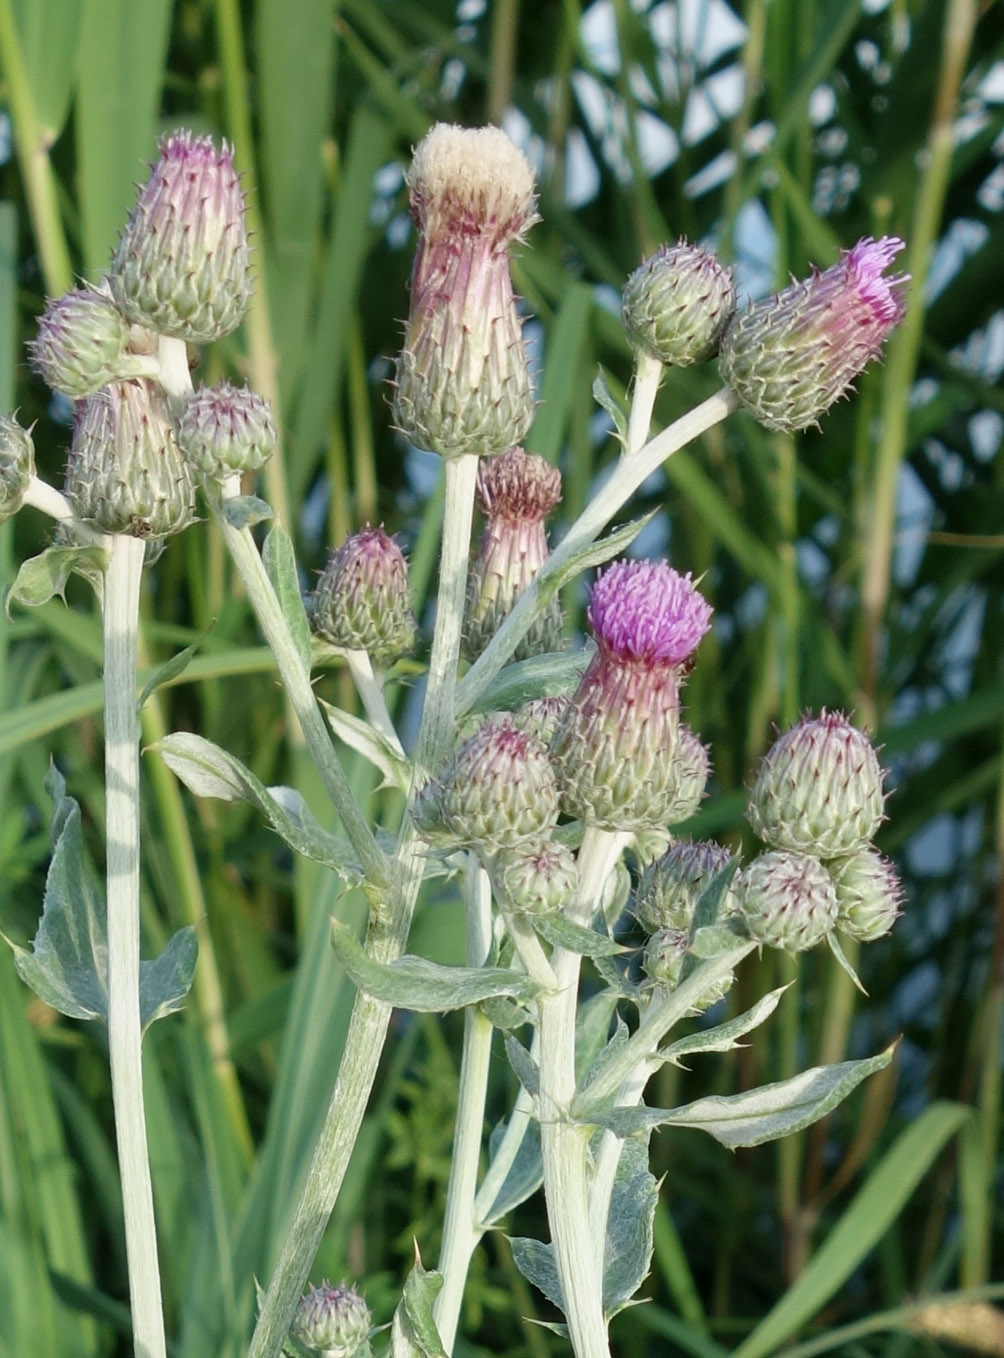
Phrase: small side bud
pixel 787 900
pixel 818 789
pixel 670 887
pixel 125 472
pixel 535 878
pixel 361 602
pixel 17 466
pixel 869 894
pixel 662 963
pixel 789 357
pixel 677 303
pixel 334 1321
pixel 82 344
pixel 226 430
pixel 182 262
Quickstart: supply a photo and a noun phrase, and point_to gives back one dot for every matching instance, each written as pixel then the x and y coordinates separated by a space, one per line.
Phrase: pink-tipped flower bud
pixel 535 878
pixel 17 466
pixel 671 887
pixel 516 492
pixel 789 357
pixel 226 430
pixel 182 262
pixel 496 790
pixel 818 789
pixel 362 601
pixel 787 900
pixel 615 749
pixel 125 472
pixel 690 772
pixel 677 303
pixel 83 343
pixel 463 380
pixel 869 894
pixel 333 1321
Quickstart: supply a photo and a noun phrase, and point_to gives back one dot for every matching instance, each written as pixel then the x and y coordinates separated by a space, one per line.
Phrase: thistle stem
pixel 371 695
pixel 121 628
pixel 647 376
pixel 460 1230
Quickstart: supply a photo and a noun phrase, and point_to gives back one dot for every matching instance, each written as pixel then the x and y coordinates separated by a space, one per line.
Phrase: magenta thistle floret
pixel 788 358
pixel 617 748
pixel 182 262
pixel 516 491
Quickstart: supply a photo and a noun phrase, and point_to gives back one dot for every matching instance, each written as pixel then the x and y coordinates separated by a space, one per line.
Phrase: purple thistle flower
pixel 646 611
pixel 789 357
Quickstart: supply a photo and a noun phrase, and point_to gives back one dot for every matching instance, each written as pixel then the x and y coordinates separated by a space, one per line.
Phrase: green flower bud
pixel 787 900
pixel 818 789
pixel 224 431
pixel 662 963
pixel 182 263
pixel 83 344
pixel 670 887
pixel 542 716
pixel 869 894
pixel 516 492
pixel 125 472
pixel 495 791
pixel 687 776
pixel 17 466
pixel 361 602
pixel 463 380
pixel 334 1321
pixel 537 877
pixel 677 303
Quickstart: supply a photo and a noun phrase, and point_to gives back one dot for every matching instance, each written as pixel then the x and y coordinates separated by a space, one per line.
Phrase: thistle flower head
pixel 671 887
pixel 17 465
pixel 361 601
pixel 536 877
pixel 182 262
pixel 788 900
pixel 334 1321
pixel 869 894
pixel 516 491
pixel 125 472
pixel 818 789
pixel 497 790
pixel 677 303
pixel 617 749
pixel 463 381
pixel 225 430
pixel 82 343
pixel 788 358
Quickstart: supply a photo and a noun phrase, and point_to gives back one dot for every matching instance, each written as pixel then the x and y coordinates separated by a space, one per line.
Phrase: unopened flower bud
pixel 83 343
pixel 787 900
pixel 788 358
pixel 17 465
pixel 182 262
pixel 671 887
pixel 362 602
pixel 690 771
pixel 818 789
pixel 125 472
pixel 537 877
pixel 334 1321
pixel 662 963
pixel 869 894
pixel 496 790
pixel 676 304
pixel 463 381
pixel 615 748
pixel 226 430
pixel 541 716
pixel 516 492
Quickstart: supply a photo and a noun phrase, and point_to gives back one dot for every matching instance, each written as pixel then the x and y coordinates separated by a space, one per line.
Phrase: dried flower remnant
pixel 789 357
pixel 463 380
pixel 362 601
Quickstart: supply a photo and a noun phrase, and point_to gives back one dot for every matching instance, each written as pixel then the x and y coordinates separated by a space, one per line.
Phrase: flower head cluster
pixel 788 358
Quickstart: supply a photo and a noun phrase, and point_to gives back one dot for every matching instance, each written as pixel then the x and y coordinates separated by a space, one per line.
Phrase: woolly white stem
pixel 370 691
pixel 647 376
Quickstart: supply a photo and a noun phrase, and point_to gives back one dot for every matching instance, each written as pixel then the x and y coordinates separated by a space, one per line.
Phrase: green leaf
pixel 208 771
pixel 759 1115
pixel 535 1261
pixel 414 1326
pixel 561 932
pixel 164 981
pixel 558 395
pixel 42 577
pixel 526 1173
pixel 280 563
pixel 360 736
pixel 49 31
pixel 244 511
pixel 723 1037
pixel 593 554
pixel 627 1252
pixel 427 987
pixel 841 957
pixel 526 1068
pixel 604 398
pixel 171 669
pixel 541 676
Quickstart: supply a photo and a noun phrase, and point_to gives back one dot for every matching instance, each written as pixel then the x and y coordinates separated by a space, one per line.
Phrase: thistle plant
pixel 536 769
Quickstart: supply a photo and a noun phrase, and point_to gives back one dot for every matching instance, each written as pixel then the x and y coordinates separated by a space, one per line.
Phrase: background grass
pixel 859 567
